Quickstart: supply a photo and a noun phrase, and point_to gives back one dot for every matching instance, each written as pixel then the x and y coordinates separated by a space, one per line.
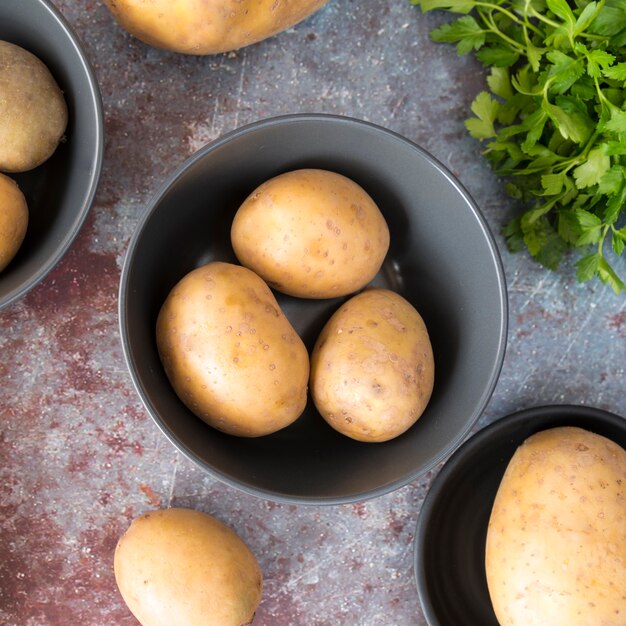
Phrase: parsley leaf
pixel 565 70
pixel 612 180
pixel 593 169
pixel 590 227
pixel 500 83
pixel 608 276
pixel 499 56
pixel 587 267
pixel 465 30
pixel 568 125
pixel 552 120
pixel 610 21
pixel 486 109
pixel 617 72
pixel 617 123
pixel 598 62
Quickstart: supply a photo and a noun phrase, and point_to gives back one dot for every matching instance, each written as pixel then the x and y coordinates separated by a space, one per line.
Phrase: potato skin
pixel 556 540
pixel 33 112
pixel 13 219
pixel 311 233
pixel 208 26
pixel 179 566
pixel 372 367
pixel 230 353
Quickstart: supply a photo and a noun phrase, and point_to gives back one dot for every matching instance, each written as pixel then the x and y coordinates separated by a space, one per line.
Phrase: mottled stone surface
pixel 79 456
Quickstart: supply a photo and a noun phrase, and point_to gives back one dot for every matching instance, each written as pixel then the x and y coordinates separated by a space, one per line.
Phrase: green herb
pixel 553 120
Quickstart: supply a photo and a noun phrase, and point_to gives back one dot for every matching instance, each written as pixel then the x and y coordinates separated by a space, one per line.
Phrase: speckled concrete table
pixel 79 455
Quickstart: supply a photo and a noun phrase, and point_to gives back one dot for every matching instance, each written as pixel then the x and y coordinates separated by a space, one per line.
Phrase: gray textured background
pixel 79 455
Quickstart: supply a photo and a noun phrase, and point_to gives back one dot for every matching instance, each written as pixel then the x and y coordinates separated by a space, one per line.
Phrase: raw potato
pixel 179 567
pixel 208 26
pixel 230 353
pixel 372 368
pixel 13 219
pixel 556 541
pixel 311 233
pixel 33 112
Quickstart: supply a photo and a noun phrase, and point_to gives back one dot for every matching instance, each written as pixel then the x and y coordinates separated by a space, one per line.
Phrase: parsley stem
pixel 510 15
pixel 542 18
pixel 601 97
pixel 605 230
pixel 581 157
pixel 492 27
pixel 555 25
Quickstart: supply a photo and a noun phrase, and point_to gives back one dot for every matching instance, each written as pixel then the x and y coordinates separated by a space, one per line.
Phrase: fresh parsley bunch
pixel 553 120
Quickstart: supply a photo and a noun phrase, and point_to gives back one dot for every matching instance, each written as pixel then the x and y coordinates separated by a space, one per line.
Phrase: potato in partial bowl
pixel 556 540
pixel 180 567
pixel 13 219
pixel 230 353
pixel 311 233
pixel 33 112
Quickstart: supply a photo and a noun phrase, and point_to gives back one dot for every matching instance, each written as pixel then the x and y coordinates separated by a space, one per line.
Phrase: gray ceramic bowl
pixel 452 525
pixel 60 191
pixel 442 258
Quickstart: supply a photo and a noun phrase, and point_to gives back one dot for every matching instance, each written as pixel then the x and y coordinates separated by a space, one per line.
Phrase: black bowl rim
pixel 172 437
pixel 96 101
pixel 464 453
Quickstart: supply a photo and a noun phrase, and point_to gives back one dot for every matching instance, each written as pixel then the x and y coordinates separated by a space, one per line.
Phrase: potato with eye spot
pixel 311 233
pixel 230 353
pixel 372 367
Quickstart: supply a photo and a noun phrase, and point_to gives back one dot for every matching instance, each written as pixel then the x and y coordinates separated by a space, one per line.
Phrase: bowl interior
pixel 58 192
pixel 442 259
pixel 452 526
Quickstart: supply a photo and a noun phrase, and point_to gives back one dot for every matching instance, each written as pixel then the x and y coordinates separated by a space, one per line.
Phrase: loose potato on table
pixel 13 219
pixel 33 112
pixel 372 367
pixel 230 353
pixel 556 540
pixel 208 26
pixel 311 233
pixel 180 567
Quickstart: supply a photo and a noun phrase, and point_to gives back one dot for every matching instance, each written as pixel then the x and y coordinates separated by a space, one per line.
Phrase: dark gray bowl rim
pixel 250 488
pixel 463 454
pixel 96 99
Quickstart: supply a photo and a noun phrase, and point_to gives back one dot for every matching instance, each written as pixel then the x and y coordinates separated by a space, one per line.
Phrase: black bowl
pixel 59 192
pixel 452 525
pixel 442 258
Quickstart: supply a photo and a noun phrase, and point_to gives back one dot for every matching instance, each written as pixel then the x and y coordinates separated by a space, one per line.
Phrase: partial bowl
pixel 442 258
pixel 452 524
pixel 59 192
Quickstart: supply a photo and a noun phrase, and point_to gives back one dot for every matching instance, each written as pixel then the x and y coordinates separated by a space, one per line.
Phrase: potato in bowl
pixel 536 547
pixel 13 219
pixel 431 266
pixel 59 192
pixel 311 233
pixel 33 111
pixel 372 367
pixel 556 540
pixel 230 353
